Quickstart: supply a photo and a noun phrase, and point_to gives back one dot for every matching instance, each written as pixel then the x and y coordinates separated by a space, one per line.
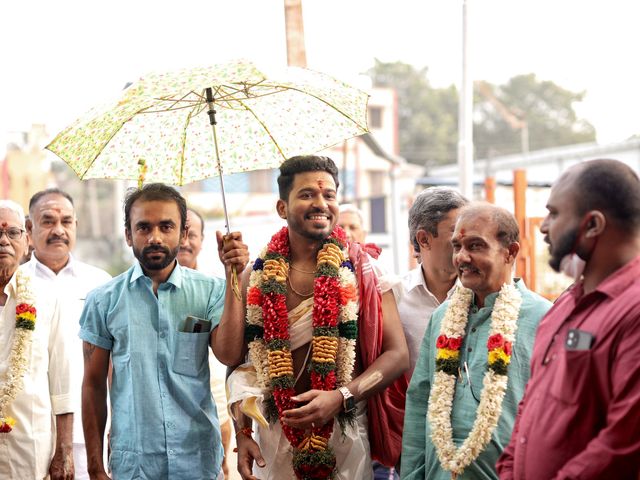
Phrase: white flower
pixel 504 320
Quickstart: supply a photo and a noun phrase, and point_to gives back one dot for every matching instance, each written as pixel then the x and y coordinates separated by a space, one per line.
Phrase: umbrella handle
pixel 234 283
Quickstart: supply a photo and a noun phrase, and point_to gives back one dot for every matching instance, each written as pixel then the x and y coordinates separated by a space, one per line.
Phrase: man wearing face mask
pixel 581 409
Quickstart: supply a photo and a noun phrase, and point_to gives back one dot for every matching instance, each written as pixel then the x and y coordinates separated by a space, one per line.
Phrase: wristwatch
pixel 348 400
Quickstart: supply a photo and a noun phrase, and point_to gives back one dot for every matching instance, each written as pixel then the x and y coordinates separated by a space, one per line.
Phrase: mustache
pixel 57 238
pixel 186 249
pixel 155 248
pixel 467 266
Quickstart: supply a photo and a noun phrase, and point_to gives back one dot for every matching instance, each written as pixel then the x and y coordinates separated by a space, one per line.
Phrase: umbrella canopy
pixel 161 124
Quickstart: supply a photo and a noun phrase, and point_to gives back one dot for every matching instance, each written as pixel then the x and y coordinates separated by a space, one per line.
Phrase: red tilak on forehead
pixel 320 184
pixel 5 224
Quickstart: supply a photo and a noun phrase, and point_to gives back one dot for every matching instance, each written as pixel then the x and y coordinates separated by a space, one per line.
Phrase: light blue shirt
pixel 164 423
pixel 419 458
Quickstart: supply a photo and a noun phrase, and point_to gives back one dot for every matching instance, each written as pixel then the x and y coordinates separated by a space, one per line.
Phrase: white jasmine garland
pixel 20 348
pixel 504 322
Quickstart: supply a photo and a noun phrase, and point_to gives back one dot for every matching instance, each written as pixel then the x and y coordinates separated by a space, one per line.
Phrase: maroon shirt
pixel 580 415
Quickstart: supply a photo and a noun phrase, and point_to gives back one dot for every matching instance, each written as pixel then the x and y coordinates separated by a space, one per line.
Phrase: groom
pixel 474 356
pixel 306 369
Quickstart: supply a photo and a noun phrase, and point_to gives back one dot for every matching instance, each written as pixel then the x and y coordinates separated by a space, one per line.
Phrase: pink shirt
pixel 580 416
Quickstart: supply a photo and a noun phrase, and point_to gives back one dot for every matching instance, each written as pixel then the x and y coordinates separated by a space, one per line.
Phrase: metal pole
pixel 465 115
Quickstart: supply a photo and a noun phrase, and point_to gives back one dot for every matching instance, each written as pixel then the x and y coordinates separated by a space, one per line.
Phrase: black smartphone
pixel 579 340
pixel 196 325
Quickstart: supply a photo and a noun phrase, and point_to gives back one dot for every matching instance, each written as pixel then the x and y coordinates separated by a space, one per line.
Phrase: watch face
pixel 349 404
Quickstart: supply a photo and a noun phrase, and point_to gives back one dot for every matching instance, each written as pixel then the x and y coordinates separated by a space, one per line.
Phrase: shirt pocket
pixel 571 375
pixel 190 354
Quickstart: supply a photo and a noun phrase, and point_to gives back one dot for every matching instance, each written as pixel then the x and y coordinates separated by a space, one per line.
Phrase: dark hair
pixel 429 209
pixel 154 192
pixel 49 191
pixel 507 230
pixel 611 187
pixel 197 214
pixel 301 164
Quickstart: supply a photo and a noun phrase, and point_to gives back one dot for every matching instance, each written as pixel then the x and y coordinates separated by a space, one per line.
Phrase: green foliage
pixel 547 108
pixel 428 116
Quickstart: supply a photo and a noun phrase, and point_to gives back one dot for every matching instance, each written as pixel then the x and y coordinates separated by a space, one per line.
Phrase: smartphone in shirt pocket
pixel 572 367
pixel 191 354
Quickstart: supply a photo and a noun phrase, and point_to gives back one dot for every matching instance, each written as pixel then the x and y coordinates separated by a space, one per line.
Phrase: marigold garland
pixel 18 361
pixel 499 348
pixel 335 313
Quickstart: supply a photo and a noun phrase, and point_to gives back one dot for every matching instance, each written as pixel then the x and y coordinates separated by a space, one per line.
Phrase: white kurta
pixel 71 285
pixel 26 451
pixel 351 447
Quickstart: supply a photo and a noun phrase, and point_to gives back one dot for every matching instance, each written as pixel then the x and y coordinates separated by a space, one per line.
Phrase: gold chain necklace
pixel 300 270
pixel 297 292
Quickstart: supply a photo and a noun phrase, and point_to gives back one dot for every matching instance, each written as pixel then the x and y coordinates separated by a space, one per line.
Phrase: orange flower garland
pixel 333 343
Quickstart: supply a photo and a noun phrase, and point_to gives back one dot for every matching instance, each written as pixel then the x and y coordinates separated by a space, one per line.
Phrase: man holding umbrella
pixel 302 320
pixel 154 322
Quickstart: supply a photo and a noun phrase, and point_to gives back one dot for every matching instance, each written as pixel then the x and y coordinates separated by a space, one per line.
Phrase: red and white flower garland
pixel 18 361
pixel 334 320
pixel 499 346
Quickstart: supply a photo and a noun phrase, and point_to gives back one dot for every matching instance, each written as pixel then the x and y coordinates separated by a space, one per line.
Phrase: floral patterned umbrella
pixel 161 124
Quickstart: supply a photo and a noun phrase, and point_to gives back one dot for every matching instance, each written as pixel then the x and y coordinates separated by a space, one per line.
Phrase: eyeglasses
pixel 14 233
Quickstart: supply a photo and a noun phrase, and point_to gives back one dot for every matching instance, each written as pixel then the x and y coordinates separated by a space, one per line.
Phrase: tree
pixel 546 108
pixel 428 116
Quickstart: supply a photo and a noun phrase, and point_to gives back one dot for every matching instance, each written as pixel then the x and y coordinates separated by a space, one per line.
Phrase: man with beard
pixel 306 383
pixel 52 227
pixel 474 360
pixel 155 322
pixel 35 391
pixel 580 417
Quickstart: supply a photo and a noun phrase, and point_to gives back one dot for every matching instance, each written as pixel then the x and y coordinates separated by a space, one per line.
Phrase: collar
pixel 174 279
pixel 490 300
pixel 416 279
pixel 614 284
pixel 10 287
pixel 41 267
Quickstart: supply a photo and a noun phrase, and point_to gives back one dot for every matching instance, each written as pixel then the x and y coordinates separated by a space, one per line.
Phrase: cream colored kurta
pixel 26 451
pixel 353 457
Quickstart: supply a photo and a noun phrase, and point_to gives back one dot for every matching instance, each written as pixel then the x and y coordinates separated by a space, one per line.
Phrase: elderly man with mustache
pixel 52 227
pixel 474 360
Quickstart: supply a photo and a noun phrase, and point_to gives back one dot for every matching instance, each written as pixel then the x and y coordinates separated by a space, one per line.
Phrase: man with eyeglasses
pixel 36 409
pixel 474 361
pixel 52 226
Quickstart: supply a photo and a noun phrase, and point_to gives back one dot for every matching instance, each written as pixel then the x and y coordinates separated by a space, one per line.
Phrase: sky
pixel 59 58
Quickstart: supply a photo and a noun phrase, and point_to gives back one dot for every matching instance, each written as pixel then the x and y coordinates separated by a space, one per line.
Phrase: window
pixel 375 117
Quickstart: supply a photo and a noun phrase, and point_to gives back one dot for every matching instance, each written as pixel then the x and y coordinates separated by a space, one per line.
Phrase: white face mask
pixel 572 266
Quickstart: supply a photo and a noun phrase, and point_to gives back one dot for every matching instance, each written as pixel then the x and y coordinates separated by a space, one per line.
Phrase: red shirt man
pixel 580 416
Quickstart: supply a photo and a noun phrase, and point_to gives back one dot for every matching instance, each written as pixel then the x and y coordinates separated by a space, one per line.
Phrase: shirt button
pixel 162 334
pixel 469 349
pixel 170 452
pixel 523 440
pixel 546 360
pixel 473 329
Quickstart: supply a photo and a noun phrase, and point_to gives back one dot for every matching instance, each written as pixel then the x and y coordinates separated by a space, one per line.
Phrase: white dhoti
pixel 351 446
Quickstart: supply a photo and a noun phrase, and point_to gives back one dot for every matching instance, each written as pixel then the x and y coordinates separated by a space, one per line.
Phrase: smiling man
pixel 307 381
pixel 155 323
pixel 52 225
pixel 474 360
